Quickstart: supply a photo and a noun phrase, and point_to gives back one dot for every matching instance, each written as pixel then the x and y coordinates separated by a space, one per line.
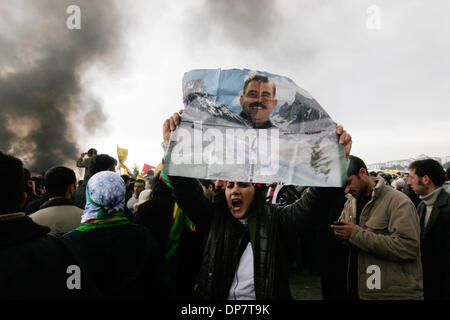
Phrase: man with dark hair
pixel 258 101
pixel 138 187
pixel 101 162
pixel 219 185
pixel 381 226
pixel 59 213
pixel 414 197
pixel 208 188
pixel 426 178
pixel 34 200
pixel 33 264
pixel 85 162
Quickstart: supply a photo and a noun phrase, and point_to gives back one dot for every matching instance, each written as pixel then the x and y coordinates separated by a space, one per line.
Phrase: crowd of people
pixel 188 238
pixel 378 237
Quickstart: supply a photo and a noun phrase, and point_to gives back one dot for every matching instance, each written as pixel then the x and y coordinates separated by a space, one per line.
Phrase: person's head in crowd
pixel 105 196
pixel 399 184
pixel 80 183
pixel 102 162
pixel 12 190
pixel 92 152
pixel 425 176
pixel 219 185
pixel 240 198
pixel 372 174
pixel 359 183
pixel 139 186
pixel 60 182
pixel 388 178
pixel 380 173
pixel 208 188
pixel 29 184
pixel 258 98
pixel 405 176
pixel 38 184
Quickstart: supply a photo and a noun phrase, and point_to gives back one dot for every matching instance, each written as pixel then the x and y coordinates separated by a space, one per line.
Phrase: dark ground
pixel 305 286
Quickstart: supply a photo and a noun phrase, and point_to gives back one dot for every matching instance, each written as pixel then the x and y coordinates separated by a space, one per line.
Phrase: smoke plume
pixel 42 99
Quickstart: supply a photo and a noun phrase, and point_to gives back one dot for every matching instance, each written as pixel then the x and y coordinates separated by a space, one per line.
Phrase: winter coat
pixel 124 261
pixel 156 214
pixel 37 265
pixel 387 237
pixel 435 243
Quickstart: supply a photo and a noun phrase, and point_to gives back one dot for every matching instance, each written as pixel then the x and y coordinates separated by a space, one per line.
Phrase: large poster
pixel 252 126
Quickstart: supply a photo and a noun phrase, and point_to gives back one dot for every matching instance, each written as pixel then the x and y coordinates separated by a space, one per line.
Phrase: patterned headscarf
pixel 105 195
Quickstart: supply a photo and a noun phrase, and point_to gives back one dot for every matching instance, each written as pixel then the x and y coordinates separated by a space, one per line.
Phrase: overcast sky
pixel 388 86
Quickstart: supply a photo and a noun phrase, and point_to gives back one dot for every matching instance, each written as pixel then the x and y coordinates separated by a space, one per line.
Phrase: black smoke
pixel 42 98
pixel 258 29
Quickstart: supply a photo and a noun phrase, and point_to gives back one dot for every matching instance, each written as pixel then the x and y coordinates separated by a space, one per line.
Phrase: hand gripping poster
pixel 252 126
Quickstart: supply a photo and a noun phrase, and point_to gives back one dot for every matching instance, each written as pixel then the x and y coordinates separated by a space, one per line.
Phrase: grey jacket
pixel 388 236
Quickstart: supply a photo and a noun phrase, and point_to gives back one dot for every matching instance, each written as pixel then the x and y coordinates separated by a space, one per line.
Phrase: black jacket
pixel 435 248
pixel 156 214
pixel 271 229
pixel 124 261
pixel 34 264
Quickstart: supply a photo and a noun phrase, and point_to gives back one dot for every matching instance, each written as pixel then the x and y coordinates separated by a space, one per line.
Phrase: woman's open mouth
pixel 236 204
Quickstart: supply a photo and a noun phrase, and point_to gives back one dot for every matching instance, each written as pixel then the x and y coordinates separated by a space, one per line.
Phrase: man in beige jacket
pixel 381 225
pixel 83 162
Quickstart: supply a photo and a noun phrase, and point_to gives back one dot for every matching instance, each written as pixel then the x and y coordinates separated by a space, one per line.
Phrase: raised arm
pixel 82 163
pixel 188 193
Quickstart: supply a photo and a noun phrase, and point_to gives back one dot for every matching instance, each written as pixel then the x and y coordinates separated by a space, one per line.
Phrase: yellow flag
pixel 122 154
pixel 159 167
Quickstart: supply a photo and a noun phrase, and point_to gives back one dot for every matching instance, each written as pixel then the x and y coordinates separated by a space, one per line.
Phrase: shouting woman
pixel 246 238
